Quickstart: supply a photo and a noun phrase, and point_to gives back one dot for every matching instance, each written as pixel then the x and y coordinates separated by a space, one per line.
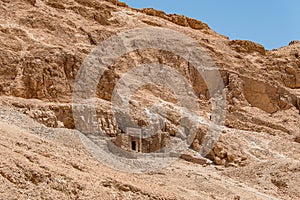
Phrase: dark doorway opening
pixel 133 145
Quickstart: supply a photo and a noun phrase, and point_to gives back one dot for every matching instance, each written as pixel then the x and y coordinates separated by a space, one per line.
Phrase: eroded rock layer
pixel 43 45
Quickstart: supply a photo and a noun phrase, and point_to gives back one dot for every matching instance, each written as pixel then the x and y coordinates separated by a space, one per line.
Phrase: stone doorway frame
pixel 135 135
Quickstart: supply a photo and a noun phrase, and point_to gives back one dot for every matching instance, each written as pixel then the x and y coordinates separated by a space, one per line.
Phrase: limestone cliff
pixel 44 43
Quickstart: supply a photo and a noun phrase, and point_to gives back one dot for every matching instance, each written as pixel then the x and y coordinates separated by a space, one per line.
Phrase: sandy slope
pixel 44 163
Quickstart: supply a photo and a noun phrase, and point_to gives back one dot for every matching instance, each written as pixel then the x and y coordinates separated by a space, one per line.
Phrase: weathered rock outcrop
pixel 44 43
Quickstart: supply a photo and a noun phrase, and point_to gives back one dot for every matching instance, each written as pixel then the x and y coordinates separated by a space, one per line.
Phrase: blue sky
pixel 272 23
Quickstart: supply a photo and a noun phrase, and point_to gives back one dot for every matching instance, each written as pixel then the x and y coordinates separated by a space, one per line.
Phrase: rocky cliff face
pixel 44 42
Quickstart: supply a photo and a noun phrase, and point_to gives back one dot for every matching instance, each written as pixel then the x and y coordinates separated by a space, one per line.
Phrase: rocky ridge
pixel 44 42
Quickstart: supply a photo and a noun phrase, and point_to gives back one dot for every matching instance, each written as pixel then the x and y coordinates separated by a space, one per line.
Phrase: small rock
pixel 219 161
pixel 232 165
pixel 237 197
pixel 32 2
pixel 297 139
